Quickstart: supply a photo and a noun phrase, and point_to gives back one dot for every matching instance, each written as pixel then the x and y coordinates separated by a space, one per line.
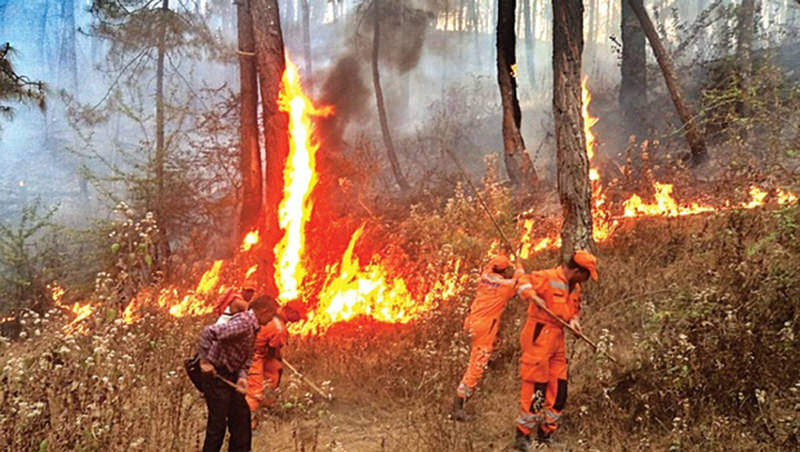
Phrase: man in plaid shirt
pixel 226 352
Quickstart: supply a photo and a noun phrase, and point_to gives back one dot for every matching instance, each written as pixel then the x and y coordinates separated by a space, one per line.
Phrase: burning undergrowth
pixel 358 269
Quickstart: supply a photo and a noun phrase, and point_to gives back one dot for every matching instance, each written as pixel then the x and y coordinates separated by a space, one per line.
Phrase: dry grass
pixel 701 312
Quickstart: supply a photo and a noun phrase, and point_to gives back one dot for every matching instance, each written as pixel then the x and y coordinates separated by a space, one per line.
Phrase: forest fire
pixel 300 178
pixel 81 311
pixel 352 290
pixel 605 217
pixel 349 289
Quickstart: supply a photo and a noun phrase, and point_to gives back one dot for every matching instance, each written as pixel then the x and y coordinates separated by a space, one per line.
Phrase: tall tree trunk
pixel 376 82
pixel 518 163
pixel 67 63
pixel 574 188
pixel 744 51
pixel 591 45
pixel 530 40
pixel 250 152
pixel 161 151
pixel 633 88
pixel 461 15
pixel 697 144
pixel 271 64
pixel 307 36
pixel 476 31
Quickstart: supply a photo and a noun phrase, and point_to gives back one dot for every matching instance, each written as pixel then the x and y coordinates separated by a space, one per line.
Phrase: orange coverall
pixel 544 364
pixel 482 323
pixel 267 366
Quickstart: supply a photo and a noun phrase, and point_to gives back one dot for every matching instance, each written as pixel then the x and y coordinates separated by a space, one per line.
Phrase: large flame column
pixel 300 178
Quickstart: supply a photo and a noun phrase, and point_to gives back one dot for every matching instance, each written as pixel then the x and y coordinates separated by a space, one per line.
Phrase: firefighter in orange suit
pixel 544 364
pixel 497 285
pixel 267 367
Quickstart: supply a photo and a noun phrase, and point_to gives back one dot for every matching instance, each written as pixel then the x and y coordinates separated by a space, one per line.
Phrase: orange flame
pixel 785 197
pixel 299 177
pixel 209 279
pixel 249 241
pixel 352 291
pixel 81 310
pixel 602 226
pixel 251 271
pixel 665 205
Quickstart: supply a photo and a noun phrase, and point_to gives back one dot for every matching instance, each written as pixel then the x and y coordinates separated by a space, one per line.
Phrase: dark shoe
pixel 459 413
pixel 544 442
pixel 522 442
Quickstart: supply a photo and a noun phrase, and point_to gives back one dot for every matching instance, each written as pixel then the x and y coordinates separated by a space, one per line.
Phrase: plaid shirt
pixel 229 346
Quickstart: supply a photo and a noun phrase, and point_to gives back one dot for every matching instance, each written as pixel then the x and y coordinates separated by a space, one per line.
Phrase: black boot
pixel 522 441
pixel 459 413
pixel 541 436
pixel 545 442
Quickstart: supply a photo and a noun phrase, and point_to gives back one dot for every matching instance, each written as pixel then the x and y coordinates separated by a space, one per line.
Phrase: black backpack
pixel 192 366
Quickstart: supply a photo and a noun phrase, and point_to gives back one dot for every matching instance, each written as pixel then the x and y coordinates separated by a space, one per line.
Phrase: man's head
pixel 249 289
pixel 500 264
pixel 264 307
pixel 581 266
pixel 293 311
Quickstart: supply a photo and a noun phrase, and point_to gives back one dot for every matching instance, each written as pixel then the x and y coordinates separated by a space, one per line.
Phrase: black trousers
pixel 226 409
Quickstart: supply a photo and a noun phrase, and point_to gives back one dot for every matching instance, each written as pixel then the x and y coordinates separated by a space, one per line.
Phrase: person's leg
pixel 217 401
pixel 534 374
pixel 255 383
pixel 556 397
pixel 239 424
pixel 483 333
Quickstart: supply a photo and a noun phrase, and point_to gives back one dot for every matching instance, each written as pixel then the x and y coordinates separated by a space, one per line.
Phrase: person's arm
pixel 242 381
pixel 575 321
pixel 526 289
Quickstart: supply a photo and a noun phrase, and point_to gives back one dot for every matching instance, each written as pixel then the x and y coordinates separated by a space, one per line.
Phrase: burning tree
pixel 573 164
pixel 518 162
pixel 250 151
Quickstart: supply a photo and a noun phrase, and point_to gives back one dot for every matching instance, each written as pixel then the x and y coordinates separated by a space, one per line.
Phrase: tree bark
pixel 376 82
pixel 744 51
pixel 307 36
pixel 697 144
pixel 530 40
pixel 271 64
pixel 633 87
pixel 518 163
pixel 574 188
pixel 67 63
pixel 161 151
pixel 250 152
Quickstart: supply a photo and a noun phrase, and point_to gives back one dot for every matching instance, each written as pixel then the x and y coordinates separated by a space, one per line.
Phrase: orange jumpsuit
pixel 544 364
pixel 267 366
pixel 483 321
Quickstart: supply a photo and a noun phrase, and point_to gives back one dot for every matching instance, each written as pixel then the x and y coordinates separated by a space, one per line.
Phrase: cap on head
pixel 297 306
pixel 499 262
pixel 250 284
pixel 586 260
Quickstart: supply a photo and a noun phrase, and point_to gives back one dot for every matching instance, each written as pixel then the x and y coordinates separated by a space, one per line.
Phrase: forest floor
pixel 349 427
pixel 702 314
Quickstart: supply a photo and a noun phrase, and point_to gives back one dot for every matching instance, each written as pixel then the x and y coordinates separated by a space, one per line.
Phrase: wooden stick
pixel 575 332
pixel 306 380
pixel 229 383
